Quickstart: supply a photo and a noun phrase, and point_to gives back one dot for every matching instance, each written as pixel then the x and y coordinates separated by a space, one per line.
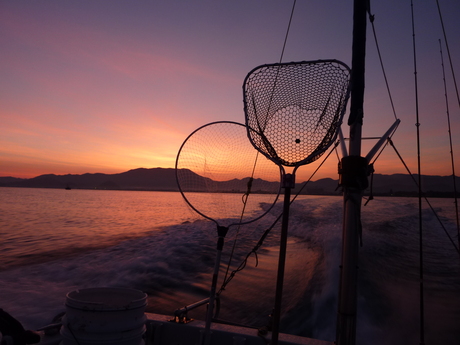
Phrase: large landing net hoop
pixel 293 113
pixel 225 180
pixel 295 109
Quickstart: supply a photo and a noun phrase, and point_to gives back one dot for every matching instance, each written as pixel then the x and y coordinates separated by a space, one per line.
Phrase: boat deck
pixel 160 331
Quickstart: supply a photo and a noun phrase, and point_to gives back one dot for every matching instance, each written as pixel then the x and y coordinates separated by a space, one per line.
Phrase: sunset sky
pixel 109 86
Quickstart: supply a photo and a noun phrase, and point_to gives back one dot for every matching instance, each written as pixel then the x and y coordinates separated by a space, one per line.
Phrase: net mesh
pixel 213 168
pixel 294 109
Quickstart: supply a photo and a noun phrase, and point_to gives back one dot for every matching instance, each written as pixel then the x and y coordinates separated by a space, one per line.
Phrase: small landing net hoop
pixel 218 170
pixel 293 112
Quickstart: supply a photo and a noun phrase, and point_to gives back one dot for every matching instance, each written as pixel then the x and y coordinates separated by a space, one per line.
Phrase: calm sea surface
pixel 55 241
pixel 37 224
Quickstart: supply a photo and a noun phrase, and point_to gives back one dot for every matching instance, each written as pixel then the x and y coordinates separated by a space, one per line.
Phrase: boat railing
pixel 181 314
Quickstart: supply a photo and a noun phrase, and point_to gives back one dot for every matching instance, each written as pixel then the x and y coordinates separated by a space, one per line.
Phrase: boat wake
pixel 174 266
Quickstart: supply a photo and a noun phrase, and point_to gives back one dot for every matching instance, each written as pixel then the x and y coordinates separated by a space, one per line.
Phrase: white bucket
pixel 104 316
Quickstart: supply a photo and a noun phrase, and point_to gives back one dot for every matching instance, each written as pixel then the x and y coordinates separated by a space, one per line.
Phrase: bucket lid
pixel 106 298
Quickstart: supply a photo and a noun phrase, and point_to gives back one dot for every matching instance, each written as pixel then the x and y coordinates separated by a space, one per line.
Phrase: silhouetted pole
pixel 353 178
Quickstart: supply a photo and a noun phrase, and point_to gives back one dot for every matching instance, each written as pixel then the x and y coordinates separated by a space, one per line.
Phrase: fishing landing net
pixel 225 180
pixel 220 174
pixel 295 109
pixel 293 113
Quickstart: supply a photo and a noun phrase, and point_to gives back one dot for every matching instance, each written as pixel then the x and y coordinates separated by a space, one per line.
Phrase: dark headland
pixel 163 179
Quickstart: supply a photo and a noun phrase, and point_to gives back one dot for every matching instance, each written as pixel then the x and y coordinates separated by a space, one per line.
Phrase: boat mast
pixel 353 178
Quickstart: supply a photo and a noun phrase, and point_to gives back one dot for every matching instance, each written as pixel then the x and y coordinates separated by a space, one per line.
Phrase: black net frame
pixel 199 151
pixel 293 110
pixel 190 173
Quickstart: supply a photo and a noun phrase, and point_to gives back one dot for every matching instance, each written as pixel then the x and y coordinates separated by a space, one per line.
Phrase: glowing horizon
pixel 89 87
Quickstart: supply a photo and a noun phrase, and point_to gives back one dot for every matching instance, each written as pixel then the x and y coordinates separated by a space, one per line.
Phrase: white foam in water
pixel 35 294
pixel 179 258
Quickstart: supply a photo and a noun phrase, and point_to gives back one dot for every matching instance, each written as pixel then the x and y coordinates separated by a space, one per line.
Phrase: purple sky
pixel 108 86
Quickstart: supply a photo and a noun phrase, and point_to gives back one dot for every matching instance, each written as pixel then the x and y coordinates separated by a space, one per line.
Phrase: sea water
pixel 55 241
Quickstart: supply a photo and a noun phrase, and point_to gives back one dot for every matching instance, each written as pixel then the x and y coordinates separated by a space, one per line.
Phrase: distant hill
pixel 163 179
pixel 137 179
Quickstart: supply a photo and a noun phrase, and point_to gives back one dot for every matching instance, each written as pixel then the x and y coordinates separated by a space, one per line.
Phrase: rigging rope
pixel 287 31
pixel 244 200
pixel 246 195
pixel 450 142
pixel 448 52
pixel 371 164
pixel 267 231
pixel 371 19
pixel 390 142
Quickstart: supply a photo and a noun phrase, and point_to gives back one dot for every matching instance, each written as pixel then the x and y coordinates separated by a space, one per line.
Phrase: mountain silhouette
pixel 164 179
